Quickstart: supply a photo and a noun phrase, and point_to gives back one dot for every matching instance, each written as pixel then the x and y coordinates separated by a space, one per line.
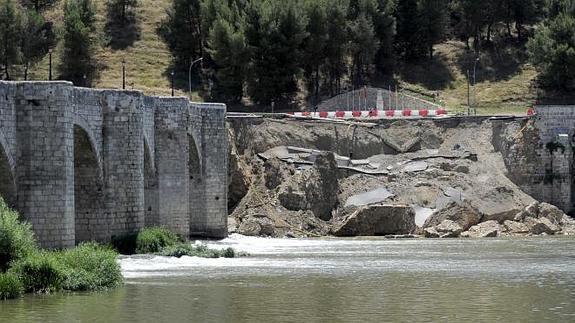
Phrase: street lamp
pixel 172 81
pixel 123 73
pixel 50 64
pixel 190 73
pixel 474 82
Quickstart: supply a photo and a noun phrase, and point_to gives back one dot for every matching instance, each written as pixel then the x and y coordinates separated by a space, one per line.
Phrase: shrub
pixel 40 272
pixel 16 238
pixel 90 267
pixel 10 286
pixel 187 249
pixel 152 240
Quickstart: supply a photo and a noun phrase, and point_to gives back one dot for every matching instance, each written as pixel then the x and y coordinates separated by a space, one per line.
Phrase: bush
pixel 10 286
pixel 187 249
pixel 90 267
pixel 16 238
pixel 152 240
pixel 40 272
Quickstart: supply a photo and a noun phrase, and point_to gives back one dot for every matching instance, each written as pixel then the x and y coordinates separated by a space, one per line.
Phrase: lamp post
pixel 474 82
pixel 123 73
pixel 50 64
pixel 190 73
pixel 172 81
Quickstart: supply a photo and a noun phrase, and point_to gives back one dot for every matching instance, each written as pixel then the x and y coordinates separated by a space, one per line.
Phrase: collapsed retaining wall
pixel 85 164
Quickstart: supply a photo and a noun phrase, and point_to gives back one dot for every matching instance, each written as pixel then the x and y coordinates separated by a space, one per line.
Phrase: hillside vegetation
pixel 429 48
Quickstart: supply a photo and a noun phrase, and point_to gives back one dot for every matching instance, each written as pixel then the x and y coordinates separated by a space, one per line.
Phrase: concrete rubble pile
pixel 438 179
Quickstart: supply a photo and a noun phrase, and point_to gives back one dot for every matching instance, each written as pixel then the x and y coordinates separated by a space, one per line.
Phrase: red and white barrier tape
pixel 372 114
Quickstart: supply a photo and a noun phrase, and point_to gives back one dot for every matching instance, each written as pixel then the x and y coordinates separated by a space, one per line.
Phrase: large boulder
pixel 464 215
pixel 541 225
pixel 514 227
pixel 313 189
pixel 488 229
pixel 551 212
pixel 449 229
pixel 377 220
pixel 276 172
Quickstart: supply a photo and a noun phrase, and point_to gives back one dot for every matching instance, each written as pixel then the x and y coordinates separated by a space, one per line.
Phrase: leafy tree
pixel 10 25
pixel 37 36
pixel 552 51
pixel 77 63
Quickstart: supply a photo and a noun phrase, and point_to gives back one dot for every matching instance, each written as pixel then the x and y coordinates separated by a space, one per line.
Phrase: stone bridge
pixel 83 164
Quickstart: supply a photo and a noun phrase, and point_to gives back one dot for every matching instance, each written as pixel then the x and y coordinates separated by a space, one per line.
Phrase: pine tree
pixel 363 47
pixel 274 34
pixel 385 30
pixel 181 30
pixel 38 5
pixel 10 25
pixel 336 47
pixel 122 8
pixel 314 47
pixel 77 63
pixel 552 51
pixel 433 22
pixel 227 49
pixel 37 36
pixel 409 40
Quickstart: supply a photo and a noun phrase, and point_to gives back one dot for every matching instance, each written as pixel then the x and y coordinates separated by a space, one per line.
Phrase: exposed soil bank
pixel 439 178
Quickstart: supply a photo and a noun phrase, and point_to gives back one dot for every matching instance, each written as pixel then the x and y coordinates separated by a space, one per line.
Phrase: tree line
pixel 26 36
pixel 267 50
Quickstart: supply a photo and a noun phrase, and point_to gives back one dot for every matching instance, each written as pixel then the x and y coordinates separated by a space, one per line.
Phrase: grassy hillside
pixel 504 79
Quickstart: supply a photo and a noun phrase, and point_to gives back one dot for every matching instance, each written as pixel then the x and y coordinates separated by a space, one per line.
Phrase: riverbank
pixel 436 178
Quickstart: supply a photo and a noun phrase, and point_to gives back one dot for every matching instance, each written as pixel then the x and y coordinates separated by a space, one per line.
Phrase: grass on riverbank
pixel 26 268
pixel 161 241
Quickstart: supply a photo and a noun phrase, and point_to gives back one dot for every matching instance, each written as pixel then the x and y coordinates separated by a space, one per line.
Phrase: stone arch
pixel 7 180
pixel 196 182
pixel 83 124
pixel 88 190
pixel 151 207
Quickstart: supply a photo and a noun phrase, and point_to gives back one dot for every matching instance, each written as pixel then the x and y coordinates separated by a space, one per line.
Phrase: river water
pixel 333 280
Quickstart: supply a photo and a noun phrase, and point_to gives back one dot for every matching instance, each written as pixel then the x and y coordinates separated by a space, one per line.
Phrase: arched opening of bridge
pixel 197 221
pixel 88 190
pixel 151 215
pixel 7 182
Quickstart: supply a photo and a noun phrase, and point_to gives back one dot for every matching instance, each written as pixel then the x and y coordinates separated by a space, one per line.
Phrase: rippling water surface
pixel 333 280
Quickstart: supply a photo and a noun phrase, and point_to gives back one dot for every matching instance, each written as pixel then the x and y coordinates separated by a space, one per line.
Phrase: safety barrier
pixel 407 113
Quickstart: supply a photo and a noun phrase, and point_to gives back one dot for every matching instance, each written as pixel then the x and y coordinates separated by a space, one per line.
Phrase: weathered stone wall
pixel 83 164
pixel 539 154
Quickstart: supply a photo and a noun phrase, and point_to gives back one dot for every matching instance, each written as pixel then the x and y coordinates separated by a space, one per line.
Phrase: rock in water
pixel 377 220
pixel 488 229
